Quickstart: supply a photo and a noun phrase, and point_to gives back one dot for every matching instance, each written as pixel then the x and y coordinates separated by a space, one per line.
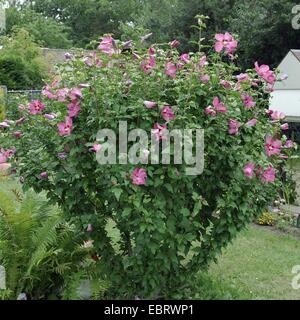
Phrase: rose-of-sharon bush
pixel 166 225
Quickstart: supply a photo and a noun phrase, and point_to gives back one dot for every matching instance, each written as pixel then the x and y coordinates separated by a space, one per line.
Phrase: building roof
pixel 296 53
pixel 290 66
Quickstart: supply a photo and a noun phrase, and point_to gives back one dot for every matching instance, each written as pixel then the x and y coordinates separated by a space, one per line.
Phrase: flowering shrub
pixel 166 225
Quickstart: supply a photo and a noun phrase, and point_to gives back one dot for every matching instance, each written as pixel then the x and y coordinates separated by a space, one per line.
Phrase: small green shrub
pixel 42 254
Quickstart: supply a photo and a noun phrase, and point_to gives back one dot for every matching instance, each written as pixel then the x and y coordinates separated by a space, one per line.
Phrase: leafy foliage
pixel 168 228
pixel 47 32
pixel 39 250
pixel 21 62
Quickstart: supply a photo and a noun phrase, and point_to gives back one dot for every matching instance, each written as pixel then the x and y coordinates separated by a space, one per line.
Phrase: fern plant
pixel 41 252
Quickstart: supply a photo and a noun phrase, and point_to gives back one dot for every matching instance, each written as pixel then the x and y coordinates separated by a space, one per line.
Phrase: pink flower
pixel 289 144
pixel 251 123
pixel 203 61
pixel 285 126
pixel 211 111
pixel 249 170
pixel 36 107
pixel 234 126
pixel 84 85
pixel 185 58
pixel 219 106
pixel 4 125
pixel 171 70
pixel 248 101
pixel 265 73
pixel 272 146
pixel 96 147
pixel 44 175
pixel 3 158
pixel 50 116
pixel 151 51
pixel 47 93
pixel 150 104
pixel 277 115
pixel 226 42
pixel 62 155
pixel 75 94
pixel 62 94
pixel 167 113
pixel 205 78
pixel 18 134
pixel 243 77
pixel 174 44
pixel 226 84
pixel 65 128
pixel 148 64
pixel 88 61
pixel 269 175
pixel 159 131
pixel 107 46
pixel 89 228
pixel 68 56
pixel 139 176
pixel 73 109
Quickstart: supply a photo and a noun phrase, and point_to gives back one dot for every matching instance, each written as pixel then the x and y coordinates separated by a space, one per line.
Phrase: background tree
pixel 45 30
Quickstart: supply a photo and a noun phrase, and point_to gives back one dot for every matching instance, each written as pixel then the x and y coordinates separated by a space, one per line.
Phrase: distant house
pixel 286 95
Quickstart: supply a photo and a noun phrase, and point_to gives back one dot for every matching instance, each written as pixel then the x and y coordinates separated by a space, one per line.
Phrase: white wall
pixel 287 101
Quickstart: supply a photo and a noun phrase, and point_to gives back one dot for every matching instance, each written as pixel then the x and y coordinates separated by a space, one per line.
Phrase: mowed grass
pixel 257 265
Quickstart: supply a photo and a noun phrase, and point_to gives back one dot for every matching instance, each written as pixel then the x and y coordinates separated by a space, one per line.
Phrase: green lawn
pixel 256 266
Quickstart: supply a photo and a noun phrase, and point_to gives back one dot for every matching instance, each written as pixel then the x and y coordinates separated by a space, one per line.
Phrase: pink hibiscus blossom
pixel 248 100
pixel 50 116
pixel 171 70
pixel 251 123
pixel 211 111
pixel 226 84
pixel 234 126
pixel 265 73
pixel 185 58
pixel 44 175
pixel 226 42
pixel 243 77
pixel 249 170
pixel 73 109
pixel 174 44
pixel 75 94
pixel 219 106
pixel 285 126
pixel 150 104
pixel 148 64
pixel 107 46
pixel 269 175
pixel 205 78
pixel 4 125
pixel 65 128
pixel 96 147
pixel 62 94
pixel 203 61
pixel 167 113
pixel 36 107
pixel 272 146
pixel 289 144
pixel 159 131
pixel 47 93
pixel 139 176
pixel 277 115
